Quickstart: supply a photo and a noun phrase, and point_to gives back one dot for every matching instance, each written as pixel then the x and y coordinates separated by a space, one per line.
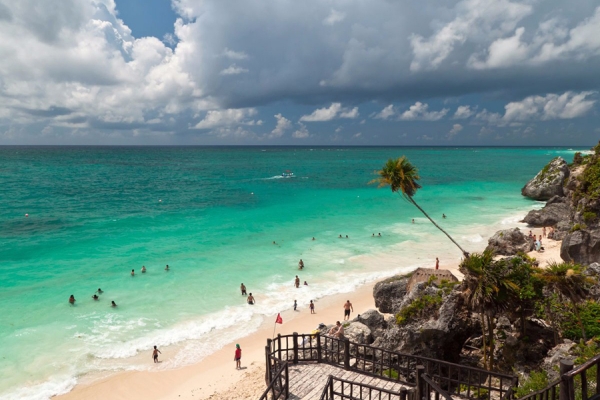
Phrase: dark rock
pixel 503 323
pixel 509 242
pixel 388 294
pixel 550 215
pixel 582 247
pixel 373 319
pixel 548 182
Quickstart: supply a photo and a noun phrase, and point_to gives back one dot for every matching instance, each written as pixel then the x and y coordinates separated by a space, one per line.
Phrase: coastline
pixel 216 378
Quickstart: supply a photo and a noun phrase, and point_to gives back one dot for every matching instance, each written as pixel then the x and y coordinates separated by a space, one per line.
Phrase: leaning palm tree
pixel 569 282
pixel 402 177
pixel 488 289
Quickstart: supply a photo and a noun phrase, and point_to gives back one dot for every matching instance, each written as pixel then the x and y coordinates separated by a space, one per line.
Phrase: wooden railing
pixel 337 388
pixel 278 382
pixel 454 379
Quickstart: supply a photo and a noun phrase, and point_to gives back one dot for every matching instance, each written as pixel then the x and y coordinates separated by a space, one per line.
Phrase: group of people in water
pixel 96 296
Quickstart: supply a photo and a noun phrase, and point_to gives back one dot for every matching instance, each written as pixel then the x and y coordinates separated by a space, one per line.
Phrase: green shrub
pixel 537 380
pixel 590 315
pixel 578 227
pixel 475 392
pixel 577 158
pixel 391 373
pixel 420 306
pixel 589 216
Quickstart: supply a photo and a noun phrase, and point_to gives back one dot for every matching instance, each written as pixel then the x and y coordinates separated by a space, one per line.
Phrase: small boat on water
pixel 287 174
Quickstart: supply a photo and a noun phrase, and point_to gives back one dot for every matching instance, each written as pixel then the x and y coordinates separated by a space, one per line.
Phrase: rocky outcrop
pixel 581 246
pixel 440 334
pixel 388 294
pixel 560 352
pixel 555 211
pixel 359 333
pixel 509 242
pixel 548 182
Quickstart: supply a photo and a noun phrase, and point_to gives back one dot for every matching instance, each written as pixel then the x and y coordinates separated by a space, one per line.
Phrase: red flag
pixel 279 320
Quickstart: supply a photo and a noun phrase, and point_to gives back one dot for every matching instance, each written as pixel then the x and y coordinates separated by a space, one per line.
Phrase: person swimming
pixel 113 304
pixel 143 269
pixel 167 267
pixel 314 238
pixel 132 272
pixel 305 283
pixel 100 291
pixel 72 300
pixel 379 235
pixel 443 215
pixel 95 297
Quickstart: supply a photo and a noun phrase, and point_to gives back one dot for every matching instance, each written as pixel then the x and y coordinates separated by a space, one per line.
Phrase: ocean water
pixel 212 214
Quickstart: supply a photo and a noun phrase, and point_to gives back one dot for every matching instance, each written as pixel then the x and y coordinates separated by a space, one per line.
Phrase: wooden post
pixel 319 347
pixel 295 343
pixel 420 382
pixel 268 368
pixel 287 382
pixel 403 393
pixel 566 384
pixel 346 353
pixel 279 345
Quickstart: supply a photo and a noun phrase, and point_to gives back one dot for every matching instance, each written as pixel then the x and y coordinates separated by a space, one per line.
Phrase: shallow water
pixel 212 214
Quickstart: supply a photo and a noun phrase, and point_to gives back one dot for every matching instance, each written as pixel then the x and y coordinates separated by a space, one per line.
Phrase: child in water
pixel 155 354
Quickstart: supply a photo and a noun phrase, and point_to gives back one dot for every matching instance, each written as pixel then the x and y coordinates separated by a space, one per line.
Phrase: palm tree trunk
pixel 491 341
pixel 465 253
pixel 483 339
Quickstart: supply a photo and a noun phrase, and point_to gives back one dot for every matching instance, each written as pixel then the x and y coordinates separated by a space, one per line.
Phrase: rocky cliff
pixel 548 182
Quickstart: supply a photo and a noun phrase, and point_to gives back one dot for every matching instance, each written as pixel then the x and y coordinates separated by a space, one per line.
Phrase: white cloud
pixel 335 110
pixel 551 106
pixel 283 124
pixel 338 129
pixel 233 70
pixel 387 112
pixel 234 55
pixel 474 20
pixel 350 113
pixel 420 111
pixel 301 133
pixel 463 112
pixel 216 118
pixel 357 135
pixel 455 129
pixel 334 17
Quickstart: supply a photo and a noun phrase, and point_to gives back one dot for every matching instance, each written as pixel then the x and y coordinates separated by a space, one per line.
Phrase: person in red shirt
pixel 238 357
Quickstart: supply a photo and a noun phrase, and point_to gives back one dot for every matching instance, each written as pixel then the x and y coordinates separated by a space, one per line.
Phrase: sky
pixel 310 72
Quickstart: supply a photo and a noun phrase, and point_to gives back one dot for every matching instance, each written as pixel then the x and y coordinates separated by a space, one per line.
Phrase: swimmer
pixel 250 299
pixel 301 264
pixel 297 282
pixel 243 289
pixel 72 300
pixel 379 235
pixel 113 304
pixel 100 291
pixel 443 215
pixel 155 354
pixel 340 236
pixel 143 269
pixel 167 267
pixel 274 242
pixel 305 283
pixel 314 238
pixel 132 273
pixel 373 235
pixel 413 221
pixel 346 236
pixel 95 297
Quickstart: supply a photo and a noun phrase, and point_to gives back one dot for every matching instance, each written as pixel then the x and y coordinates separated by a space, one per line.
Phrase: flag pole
pixel 274 325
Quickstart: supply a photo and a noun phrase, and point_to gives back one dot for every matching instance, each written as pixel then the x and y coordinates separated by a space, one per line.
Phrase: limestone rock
pixel 548 182
pixel 560 352
pixel 388 294
pixel 553 213
pixel 373 319
pixel 509 242
pixel 358 332
pixel 582 247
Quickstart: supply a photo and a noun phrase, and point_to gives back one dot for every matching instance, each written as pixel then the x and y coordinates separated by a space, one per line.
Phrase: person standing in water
pixel 143 269
pixel 132 273
pixel 243 289
pixel 72 300
pixel 250 299
pixel 155 354
pixel 167 267
pixel 113 304
pixel 301 264
pixel 238 357
pixel 297 282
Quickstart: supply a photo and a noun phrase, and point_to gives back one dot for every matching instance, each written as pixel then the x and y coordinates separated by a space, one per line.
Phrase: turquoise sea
pixel 212 214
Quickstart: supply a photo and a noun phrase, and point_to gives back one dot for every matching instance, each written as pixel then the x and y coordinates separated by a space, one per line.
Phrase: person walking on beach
pixel 155 354
pixel 238 357
pixel 312 307
pixel 347 308
pixel 295 305
pixel 301 264
pixel 437 263
pixel 297 282
pixel 72 300
pixel 243 289
pixel 544 231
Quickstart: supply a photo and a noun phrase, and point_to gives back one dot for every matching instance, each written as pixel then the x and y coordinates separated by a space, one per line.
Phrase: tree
pixel 402 177
pixel 568 281
pixel 530 288
pixel 488 289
